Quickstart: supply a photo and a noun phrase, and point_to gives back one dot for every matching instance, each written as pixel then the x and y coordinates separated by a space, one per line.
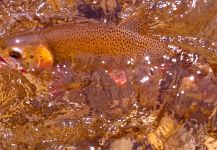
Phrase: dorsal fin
pixel 137 22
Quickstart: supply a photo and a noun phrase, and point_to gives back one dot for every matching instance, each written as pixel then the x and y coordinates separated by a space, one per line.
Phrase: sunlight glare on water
pixel 137 106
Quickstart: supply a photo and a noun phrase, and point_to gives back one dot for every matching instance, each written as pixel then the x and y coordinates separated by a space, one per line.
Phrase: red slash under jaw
pixel 2 59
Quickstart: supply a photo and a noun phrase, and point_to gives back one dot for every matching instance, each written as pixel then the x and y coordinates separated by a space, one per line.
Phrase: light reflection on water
pixel 91 108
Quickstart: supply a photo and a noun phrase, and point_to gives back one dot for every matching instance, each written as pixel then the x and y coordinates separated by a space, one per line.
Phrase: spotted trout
pixel 60 43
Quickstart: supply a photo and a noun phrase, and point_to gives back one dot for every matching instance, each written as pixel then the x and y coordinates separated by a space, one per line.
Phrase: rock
pixel 122 144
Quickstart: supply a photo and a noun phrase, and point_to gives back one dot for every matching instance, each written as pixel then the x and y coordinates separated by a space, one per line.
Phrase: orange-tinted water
pixel 171 106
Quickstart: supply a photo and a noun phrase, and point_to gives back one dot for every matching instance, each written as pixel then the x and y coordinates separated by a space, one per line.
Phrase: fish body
pixel 65 42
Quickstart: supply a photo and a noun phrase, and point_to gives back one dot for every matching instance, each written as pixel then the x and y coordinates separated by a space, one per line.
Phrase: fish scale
pixel 66 41
pixel 99 39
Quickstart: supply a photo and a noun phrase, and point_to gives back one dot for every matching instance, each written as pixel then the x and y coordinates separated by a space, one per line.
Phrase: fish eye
pixel 15 53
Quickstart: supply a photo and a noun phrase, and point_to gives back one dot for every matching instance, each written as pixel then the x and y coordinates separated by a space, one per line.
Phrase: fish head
pixel 26 53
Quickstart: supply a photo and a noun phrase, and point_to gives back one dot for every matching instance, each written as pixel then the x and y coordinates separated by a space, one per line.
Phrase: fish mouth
pixel 11 64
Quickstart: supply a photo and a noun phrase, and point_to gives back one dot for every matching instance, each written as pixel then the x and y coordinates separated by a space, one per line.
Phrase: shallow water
pixel 171 106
